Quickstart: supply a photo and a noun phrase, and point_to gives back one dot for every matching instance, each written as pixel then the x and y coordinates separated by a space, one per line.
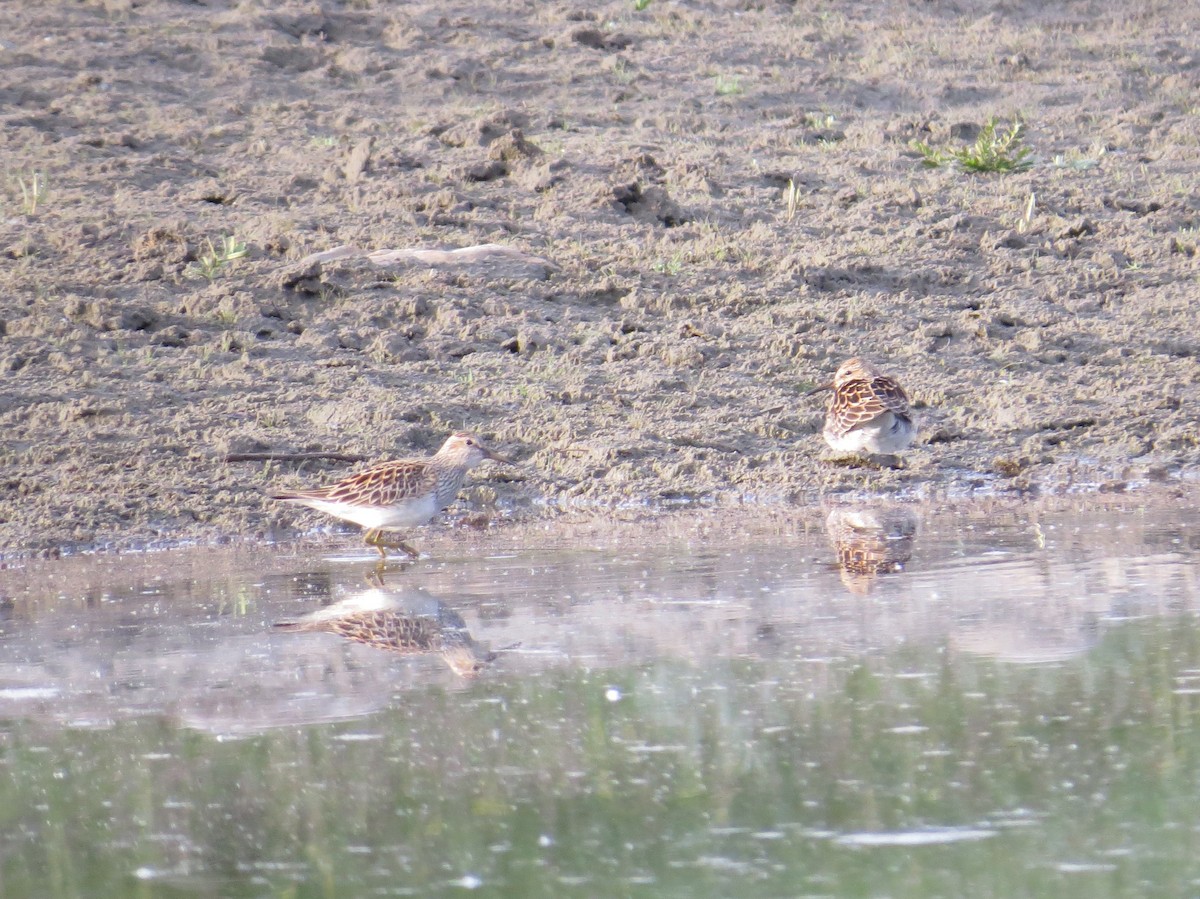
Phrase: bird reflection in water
pixel 408 621
pixel 870 541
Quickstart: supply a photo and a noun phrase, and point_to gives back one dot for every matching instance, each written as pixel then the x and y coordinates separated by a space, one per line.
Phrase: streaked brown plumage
pixel 398 494
pixel 409 622
pixel 870 542
pixel 868 411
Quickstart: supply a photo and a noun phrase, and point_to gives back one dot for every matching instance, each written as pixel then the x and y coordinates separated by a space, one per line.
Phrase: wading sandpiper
pixel 402 493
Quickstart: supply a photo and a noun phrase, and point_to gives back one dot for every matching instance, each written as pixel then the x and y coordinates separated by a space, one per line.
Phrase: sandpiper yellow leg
pixel 374 537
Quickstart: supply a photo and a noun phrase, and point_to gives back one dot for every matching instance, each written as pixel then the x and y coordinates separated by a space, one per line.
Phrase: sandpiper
pixel 868 411
pixel 402 493
pixel 409 622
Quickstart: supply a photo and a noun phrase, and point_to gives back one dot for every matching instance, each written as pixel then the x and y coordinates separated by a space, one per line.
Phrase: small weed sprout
pixel 622 72
pixel 1026 220
pixel 672 266
pixel 640 5
pixel 791 198
pixel 209 265
pixel 991 152
pixel 33 192
pixel 1078 164
pixel 1080 161
pixel 728 85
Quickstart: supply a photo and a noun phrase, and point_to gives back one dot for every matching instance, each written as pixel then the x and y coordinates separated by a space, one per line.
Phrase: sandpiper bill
pixel 402 493
pixel 868 412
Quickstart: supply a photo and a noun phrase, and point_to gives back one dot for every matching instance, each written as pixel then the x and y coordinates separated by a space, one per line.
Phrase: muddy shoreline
pixel 658 351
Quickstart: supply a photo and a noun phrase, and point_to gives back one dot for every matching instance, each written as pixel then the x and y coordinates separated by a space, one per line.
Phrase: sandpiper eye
pixel 470 443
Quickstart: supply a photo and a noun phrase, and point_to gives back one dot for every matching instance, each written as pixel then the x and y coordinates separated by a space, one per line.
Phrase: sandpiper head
pixel 467 449
pixel 855 369
pixel 466 659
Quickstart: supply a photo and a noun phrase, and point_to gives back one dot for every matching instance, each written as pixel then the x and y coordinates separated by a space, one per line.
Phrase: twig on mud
pixel 292 457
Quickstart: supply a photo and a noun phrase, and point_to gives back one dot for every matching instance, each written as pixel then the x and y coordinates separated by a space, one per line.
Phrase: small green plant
pixel 622 72
pixel 727 85
pixel 991 152
pixel 209 264
pixel 270 418
pixel 1079 161
pixel 33 192
pixel 640 5
pixel 1078 165
pixel 672 266
pixel 819 120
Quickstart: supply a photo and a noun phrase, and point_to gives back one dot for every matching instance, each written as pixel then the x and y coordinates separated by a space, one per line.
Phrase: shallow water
pixel 878 701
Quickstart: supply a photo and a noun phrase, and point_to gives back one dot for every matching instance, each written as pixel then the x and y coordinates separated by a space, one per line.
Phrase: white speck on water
pixel 1084 867
pixel 468 882
pixel 612 694
pixel 908 729
pixel 29 693
pixel 1017 817
pixel 656 747
pixel 914 837
pixel 358 738
pixel 545 840
pixel 722 863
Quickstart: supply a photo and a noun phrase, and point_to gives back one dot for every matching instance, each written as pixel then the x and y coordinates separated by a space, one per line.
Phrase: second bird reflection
pixel 408 621
pixel 870 541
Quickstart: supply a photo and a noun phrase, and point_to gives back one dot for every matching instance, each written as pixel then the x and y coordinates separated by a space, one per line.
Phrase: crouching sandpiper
pixel 868 412
pixel 403 493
